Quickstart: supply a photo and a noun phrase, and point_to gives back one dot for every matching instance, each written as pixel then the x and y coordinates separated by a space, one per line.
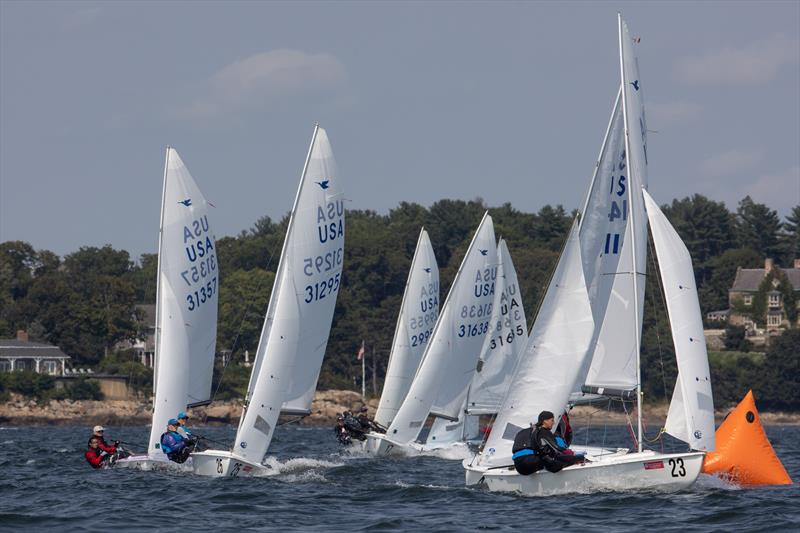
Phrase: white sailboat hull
pixel 219 463
pixel 378 444
pixel 646 470
pixel 148 463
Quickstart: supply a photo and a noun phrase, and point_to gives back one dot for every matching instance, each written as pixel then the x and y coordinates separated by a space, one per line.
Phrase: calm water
pixel 45 483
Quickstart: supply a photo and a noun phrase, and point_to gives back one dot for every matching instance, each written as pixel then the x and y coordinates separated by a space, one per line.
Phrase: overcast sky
pixel 421 101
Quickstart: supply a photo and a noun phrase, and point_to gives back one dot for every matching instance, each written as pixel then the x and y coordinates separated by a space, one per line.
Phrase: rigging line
pixel 241 327
pixel 630 426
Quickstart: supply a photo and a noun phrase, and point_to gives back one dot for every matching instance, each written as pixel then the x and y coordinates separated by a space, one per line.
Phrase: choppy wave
pixel 314 484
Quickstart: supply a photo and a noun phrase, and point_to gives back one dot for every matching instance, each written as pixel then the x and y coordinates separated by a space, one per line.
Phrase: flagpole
pixel 363 377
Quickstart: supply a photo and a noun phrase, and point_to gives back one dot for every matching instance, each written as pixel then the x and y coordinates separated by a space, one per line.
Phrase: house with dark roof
pixel 746 286
pixel 21 354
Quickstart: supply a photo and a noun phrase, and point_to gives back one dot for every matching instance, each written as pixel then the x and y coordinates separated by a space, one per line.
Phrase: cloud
pixel 265 79
pixel 671 112
pixel 730 163
pixel 756 63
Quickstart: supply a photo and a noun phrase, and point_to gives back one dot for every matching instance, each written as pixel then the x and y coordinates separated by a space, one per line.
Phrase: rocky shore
pixel 19 411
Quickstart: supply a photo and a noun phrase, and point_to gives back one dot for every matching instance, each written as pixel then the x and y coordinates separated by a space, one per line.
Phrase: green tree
pixel 758 227
pixel 243 301
pixel 145 277
pixel 736 339
pixel 707 229
pixel 790 237
pixel 782 373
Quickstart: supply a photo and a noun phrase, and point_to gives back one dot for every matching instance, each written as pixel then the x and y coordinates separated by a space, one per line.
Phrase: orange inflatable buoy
pixel 744 454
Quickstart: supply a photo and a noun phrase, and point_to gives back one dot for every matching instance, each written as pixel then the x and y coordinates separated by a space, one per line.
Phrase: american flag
pixel 360 354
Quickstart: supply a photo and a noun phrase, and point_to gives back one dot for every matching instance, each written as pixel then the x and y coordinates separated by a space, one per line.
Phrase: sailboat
pixel 419 310
pixel 440 385
pixel 186 306
pixel 298 320
pixel 499 356
pixel 587 333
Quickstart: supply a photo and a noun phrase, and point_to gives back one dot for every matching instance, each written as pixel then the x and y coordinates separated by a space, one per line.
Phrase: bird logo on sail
pixel 324 184
pixel 635 84
pixel 186 202
pixel 484 252
pixel 428 270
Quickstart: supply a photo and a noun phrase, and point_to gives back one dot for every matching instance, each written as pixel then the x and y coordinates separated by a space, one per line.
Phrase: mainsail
pixel 296 328
pixel 448 364
pixel 186 300
pixel 418 312
pixel 691 413
pixel 503 344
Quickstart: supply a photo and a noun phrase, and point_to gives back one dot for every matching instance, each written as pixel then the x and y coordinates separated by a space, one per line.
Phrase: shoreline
pixel 19 411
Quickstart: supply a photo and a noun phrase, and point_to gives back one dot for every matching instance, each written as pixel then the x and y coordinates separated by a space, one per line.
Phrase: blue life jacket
pixel 523 453
pixel 561 442
pixel 171 442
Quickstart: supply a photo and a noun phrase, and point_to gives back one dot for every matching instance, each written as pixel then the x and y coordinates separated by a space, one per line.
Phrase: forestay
pixel 452 352
pixel 298 320
pixel 691 413
pixel 554 356
pixel 418 313
pixel 504 343
pixel 186 301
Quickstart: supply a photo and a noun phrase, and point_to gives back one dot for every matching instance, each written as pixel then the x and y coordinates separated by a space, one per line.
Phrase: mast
pixel 156 350
pixel 635 269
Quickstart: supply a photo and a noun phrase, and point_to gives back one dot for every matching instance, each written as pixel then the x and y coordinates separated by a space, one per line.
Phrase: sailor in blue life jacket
pixel 553 449
pixel 182 419
pixel 536 448
pixel 174 445
pixel 526 461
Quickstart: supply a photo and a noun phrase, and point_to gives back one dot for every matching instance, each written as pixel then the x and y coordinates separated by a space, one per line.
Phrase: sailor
pixel 353 426
pixel 366 422
pixel 97 457
pixel 342 435
pixel 564 431
pixel 97 432
pixel 553 456
pixel 526 461
pixel 174 445
pixel 182 419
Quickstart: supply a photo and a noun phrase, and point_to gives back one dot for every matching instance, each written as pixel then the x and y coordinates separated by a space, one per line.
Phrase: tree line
pixel 85 301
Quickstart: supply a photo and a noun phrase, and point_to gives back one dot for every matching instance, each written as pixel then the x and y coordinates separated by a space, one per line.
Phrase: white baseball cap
pixel 98 428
